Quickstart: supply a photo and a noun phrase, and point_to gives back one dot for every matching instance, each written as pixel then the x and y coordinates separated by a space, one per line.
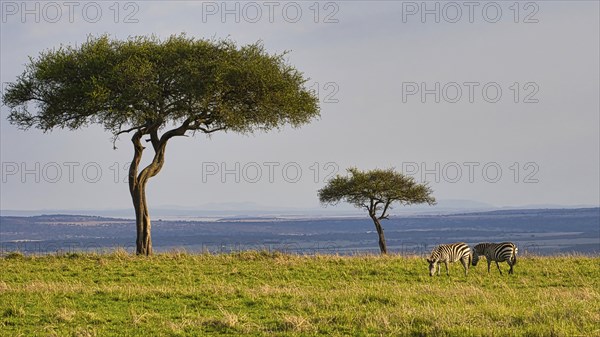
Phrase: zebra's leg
pixel 438 269
pixel 489 262
pixel 497 265
pixel 446 264
pixel 465 264
pixel 510 271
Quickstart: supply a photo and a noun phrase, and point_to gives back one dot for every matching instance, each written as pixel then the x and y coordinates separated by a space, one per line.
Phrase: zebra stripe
pixel 497 252
pixel 449 253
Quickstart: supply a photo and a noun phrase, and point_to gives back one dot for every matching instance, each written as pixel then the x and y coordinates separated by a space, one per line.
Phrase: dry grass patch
pixel 296 323
pixel 64 315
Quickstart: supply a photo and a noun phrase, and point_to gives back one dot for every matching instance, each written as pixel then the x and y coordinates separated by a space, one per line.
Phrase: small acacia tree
pixel 376 191
pixel 158 90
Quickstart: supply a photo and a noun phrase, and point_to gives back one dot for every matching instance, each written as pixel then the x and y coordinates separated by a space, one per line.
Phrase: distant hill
pixel 541 231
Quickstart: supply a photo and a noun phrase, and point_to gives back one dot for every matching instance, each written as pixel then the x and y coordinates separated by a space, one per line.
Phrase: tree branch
pixel 116 137
pixel 159 150
pixel 375 205
pixel 179 131
pixel 135 162
pixel 154 136
pixel 371 207
pixel 205 130
pixel 129 130
pixel 385 209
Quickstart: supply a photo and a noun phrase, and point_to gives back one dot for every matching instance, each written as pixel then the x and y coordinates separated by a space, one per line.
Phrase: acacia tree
pixel 376 191
pixel 158 90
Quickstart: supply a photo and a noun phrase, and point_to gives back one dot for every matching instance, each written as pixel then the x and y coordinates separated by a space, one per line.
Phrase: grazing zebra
pixel 497 252
pixel 449 253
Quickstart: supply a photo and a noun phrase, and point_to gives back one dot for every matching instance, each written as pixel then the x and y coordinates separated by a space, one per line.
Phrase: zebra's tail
pixel 514 255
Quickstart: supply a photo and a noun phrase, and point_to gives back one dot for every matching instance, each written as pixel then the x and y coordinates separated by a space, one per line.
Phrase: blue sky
pixel 536 143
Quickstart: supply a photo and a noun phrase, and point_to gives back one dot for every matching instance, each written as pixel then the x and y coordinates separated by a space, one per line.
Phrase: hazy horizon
pixel 254 209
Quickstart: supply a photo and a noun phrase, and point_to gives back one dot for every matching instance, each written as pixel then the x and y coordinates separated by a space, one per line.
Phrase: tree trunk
pixel 142 221
pixel 382 245
pixel 137 182
pixel 137 189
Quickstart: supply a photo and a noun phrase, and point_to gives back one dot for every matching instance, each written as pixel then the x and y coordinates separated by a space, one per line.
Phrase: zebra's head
pixel 475 258
pixel 478 250
pixel 431 262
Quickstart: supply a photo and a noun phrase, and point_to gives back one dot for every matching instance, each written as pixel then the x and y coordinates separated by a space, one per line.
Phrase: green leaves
pixel 211 84
pixel 375 190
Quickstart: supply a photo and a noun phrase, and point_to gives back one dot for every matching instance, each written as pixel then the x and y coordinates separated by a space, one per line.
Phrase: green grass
pixel 257 293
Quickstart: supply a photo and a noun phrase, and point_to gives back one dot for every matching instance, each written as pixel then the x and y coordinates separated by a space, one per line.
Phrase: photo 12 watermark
pixel 470 92
pixel 320 12
pixel 473 172
pixel 51 172
pixel 3 87
pixel 268 172
pixel 470 12
pixel 326 92
pixel 70 11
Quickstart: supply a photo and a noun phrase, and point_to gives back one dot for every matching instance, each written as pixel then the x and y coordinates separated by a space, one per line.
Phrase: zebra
pixel 449 253
pixel 497 252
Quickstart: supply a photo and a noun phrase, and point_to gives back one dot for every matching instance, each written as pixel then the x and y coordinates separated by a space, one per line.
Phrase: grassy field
pixel 259 293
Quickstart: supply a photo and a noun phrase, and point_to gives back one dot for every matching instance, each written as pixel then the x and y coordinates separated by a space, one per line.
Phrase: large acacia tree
pixel 156 90
pixel 375 191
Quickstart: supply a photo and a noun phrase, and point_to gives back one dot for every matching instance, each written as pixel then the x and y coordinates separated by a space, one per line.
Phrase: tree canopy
pixel 146 83
pixel 376 191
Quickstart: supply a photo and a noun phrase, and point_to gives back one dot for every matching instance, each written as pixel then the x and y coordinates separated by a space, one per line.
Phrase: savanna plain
pixel 269 293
